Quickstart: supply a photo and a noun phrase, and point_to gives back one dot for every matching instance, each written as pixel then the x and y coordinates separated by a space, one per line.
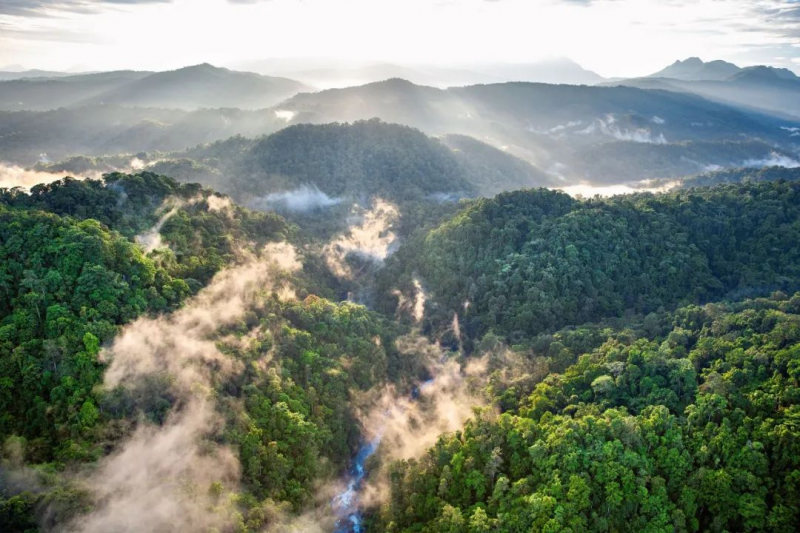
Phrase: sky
pixel 611 37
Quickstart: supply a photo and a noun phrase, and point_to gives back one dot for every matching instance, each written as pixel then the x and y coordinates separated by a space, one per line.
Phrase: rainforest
pixel 350 280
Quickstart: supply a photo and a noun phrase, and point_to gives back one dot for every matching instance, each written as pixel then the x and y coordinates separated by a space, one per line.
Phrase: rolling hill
pixel 360 160
pixel 53 93
pixel 202 86
pixel 30 136
pixel 562 129
pixel 566 128
pixel 326 73
pixel 199 86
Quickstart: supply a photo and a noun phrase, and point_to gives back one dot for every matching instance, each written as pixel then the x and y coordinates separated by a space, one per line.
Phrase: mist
pixel 14 176
pixel 407 426
pixel 774 160
pixel 609 126
pixel 397 424
pixel 370 236
pixel 589 190
pixel 465 306
pixel 151 239
pixel 160 479
pixel 301 200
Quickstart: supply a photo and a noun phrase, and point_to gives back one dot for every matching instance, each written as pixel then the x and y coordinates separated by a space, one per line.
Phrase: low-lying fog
pixel 588 190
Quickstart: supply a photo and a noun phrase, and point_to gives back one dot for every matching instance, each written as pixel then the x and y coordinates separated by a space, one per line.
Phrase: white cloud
pixel 597 35
pixel 301 200
pixel 13 176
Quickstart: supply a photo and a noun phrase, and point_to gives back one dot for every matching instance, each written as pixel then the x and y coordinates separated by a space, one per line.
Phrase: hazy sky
pixel 612 37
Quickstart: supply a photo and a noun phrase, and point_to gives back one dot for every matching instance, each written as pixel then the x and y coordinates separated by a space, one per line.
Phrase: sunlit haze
pixel 611 37
pixel 392 266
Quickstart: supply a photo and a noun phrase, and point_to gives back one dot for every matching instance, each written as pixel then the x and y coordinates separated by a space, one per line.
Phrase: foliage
pixel 203 234
pixel 532 261
pixel 66 285
pixel 306 363
pixel 68 282
pixel 692 430
pixel 620 405
pixel 739 175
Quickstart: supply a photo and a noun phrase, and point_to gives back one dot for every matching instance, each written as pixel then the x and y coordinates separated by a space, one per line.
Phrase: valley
pixel 294 267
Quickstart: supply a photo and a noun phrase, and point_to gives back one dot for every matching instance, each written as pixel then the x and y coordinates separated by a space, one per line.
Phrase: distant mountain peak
pixel 690 61
pixel 201 67
pixel 695 69
pixel 397 81
pixel 394 83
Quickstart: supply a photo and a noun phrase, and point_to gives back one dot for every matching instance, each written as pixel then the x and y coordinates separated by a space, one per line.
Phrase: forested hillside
pixel 683 421
pixel 571 133
pixel 187 88
pixel 625 383
pixel 361 160
pixel 75 283
pixel 739 175
pixel 71 276
pixel 598 134
pixel 629 161
pixel 267 268
pixel 494 171
pixel 650 417
pixel 344 161
pixel 55 92
pixel 97 130
pixel 67 285
pixel 530 261
pixel 204 230
pixel 538 105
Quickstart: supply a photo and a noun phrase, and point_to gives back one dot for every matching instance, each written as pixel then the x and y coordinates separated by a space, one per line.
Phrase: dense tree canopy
pixel 71 276
pixel 739 175
pixel 204 232
pixel 530 261
pixel 681 422
pixel 66 286
pixel 630 385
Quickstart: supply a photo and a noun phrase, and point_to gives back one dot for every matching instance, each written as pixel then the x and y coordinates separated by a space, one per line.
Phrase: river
pixel 347 504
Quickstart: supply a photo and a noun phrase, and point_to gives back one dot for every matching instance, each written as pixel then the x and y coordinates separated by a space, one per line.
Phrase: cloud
pixel 609 126
pixel 284 115
pixel 301 200
pixel 774 160
pixel 45 8
pixel 161 478
pixel 584 3
pixel 370 236
pixel 151 239
pixel 414 307
pixel 399 425
pixel 149 484
pixel 730 30
pixel 219 203
pixel 13 176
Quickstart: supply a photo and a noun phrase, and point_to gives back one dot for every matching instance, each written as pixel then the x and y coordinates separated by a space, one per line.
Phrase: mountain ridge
pixel 188 88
